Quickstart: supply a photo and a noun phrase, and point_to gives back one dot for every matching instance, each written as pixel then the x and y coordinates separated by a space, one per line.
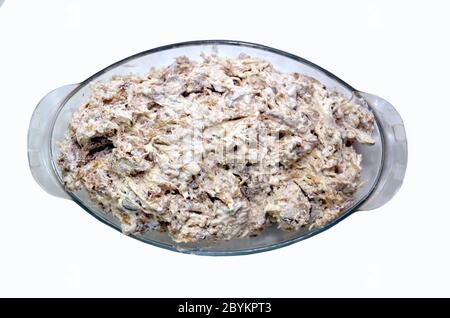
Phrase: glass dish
pixel 383 165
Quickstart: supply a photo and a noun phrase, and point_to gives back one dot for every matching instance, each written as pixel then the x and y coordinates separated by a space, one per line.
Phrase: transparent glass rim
pixel 270 247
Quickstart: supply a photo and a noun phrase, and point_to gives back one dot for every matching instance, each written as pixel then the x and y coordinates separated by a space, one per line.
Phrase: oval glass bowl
pixel 383 165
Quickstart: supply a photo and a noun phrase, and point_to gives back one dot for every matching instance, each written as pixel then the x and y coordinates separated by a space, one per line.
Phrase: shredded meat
pixel 216 149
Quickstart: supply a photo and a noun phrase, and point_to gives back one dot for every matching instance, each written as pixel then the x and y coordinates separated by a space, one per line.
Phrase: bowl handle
pixel 395 152
pixel 38 141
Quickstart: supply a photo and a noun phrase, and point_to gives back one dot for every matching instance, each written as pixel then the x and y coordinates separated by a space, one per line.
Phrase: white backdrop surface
pixel 397 50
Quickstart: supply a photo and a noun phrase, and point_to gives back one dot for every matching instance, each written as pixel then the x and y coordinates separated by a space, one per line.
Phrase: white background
pixel 398 50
